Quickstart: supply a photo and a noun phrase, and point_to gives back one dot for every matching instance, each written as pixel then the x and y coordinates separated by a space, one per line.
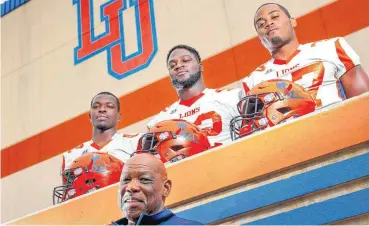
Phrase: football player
pixel 329 69
pixel 209 109
pixel 104 116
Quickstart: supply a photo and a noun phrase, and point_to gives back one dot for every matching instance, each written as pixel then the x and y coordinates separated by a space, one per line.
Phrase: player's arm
pixel 134 143
pixel 355 81
pixel 157 118
pixel 150 124
pixel 248 82
pixel 62 168
pixel 350 72
pixel 70 156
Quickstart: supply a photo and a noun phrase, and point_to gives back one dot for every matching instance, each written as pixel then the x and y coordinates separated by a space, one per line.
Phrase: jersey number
pixel 216 126
pixel 311 77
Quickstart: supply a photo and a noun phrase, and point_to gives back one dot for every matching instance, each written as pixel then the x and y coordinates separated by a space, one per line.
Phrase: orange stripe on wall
pixel 337 19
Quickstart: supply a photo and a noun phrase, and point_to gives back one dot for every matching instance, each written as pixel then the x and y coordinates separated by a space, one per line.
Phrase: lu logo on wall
pixel 120 64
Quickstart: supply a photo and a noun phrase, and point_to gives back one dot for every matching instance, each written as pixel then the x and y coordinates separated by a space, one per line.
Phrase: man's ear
pixel 201 68
pixel 293 22
pixel 167 188
pixel 119 117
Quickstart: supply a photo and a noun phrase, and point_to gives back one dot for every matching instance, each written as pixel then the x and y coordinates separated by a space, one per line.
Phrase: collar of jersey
pixel 281 62
pixel 93 144
pixel 192 100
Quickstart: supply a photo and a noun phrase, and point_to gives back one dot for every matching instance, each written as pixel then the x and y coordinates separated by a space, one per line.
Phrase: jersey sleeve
pixel 163 115
pixel 134 142
pixel 152 122
pixel 230 99
pixel 124 146
pixel 346 58
pixel 225 106
pixel 157 118
pixel 62 167
pixel 70 156
pixel 249 81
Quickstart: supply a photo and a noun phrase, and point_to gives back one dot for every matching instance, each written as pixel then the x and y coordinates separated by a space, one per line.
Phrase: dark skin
pixel 143 187
pixel 104 117
pixel 277 33
pixel 182 64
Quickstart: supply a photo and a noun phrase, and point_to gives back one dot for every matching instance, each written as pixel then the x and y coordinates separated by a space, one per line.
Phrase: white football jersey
pixel 120 146
pixel 204 111
pixel 316 66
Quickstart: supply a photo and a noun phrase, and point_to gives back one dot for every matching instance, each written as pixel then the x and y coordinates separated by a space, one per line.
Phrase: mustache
pixel 129 197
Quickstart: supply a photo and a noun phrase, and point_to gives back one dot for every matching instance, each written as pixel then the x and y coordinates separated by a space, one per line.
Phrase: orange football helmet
pixel 174 140
pixel 270 103
pixel 88 173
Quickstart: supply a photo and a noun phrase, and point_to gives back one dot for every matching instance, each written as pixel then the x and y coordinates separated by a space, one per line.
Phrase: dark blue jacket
pixel 165 217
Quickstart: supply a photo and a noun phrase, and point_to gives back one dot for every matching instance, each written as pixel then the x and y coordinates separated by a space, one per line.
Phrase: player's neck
pixel 102 137
pixel 185 94
pixel 286 51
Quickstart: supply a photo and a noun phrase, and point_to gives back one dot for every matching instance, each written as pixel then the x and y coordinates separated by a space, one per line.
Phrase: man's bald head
pixel 143 186
pixel 149 161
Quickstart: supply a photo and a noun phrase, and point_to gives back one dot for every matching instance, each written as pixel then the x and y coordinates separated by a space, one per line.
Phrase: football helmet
pixel 173 140
pixel 88 173
pixel 270 103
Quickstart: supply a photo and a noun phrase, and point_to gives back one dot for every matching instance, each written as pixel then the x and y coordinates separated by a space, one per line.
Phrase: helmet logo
pixel 284 87
pixel 95 167
pixel 185 135
pixel 294 95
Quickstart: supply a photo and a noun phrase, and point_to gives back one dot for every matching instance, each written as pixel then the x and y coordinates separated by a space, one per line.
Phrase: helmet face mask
pixel 268 104
pixel 150 141
pixel 174 140
pixel 65 191
pixel 86 174
pixel 59 194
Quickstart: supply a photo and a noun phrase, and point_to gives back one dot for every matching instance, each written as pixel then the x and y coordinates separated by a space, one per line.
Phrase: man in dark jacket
pixel 143 189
